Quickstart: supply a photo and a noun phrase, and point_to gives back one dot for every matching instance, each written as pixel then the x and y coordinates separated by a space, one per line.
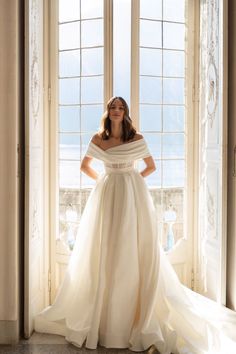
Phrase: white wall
pixel 10 110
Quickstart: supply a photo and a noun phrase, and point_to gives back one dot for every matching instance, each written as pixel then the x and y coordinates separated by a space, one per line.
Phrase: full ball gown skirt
pixel 119 289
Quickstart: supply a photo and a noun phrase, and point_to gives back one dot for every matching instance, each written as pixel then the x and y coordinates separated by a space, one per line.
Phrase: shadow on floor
pixel 40 343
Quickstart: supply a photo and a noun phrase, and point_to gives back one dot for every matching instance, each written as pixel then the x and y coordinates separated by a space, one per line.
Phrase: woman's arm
pixel 84 167
pixel 150 166
pixel 85 163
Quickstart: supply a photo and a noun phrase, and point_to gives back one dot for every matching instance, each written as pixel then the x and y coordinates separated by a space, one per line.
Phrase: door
pixel 36 263
pixel 213 142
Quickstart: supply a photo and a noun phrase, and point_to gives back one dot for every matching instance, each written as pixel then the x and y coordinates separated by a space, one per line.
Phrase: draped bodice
pixel 120 156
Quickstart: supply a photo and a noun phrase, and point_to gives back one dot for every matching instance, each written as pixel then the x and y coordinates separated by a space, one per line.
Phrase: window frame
pixel 51 116
pixel 191 122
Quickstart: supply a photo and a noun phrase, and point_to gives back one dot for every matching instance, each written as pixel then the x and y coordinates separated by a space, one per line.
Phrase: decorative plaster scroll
pixel 35 90
pixel 35 232
pixel 213 91
pixel 213 21
pixel 34 62
pixel 213 65
pixel 210 210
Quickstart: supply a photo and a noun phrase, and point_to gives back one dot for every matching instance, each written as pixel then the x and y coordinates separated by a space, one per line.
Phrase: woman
pixel 119 290
pixel 116 128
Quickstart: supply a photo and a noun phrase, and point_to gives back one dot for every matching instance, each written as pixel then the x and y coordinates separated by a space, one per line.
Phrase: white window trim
pixel 108 51
pixel 134 80
pixel 193 133
pixel 53 138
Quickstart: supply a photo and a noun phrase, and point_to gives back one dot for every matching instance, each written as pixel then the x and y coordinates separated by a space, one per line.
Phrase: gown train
pixel 119 289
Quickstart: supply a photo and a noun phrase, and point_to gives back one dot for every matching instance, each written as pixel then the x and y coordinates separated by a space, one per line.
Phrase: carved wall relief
pixel 213 91
pixel 212 52
pixel 34 62
pixel 211 139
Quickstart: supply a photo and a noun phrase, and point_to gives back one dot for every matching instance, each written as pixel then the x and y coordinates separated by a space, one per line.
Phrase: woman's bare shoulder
pixel 96 139
pixel 137 136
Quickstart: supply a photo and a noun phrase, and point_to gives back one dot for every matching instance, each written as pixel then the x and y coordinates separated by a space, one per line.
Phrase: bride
pixel 119 289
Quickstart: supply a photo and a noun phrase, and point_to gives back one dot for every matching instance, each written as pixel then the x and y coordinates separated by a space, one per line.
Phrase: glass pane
pixel 173 91
pixel 150 62
pixel 69 212
pixel 150 118
pixel 69 36
pixel 69 174
pixel 174 10
pixel 173 35
pixel 69 63
pixel 92 89
pixel 172 232
pixel 92 33
pixel 91 117
pixel 85 138
pixel 97 165
pixel 150 34
pixel 154 144
pixel 173 173
pixel 173 146
pixel 92 61
pixel 173 118
pixel 121 48
pixel 69 119
pixel 69 10
pixel 173 63
pixel 150 90
pixel 91 8
pixel 69 90
pixel 154 179
pixel 69 146
pixel 86 181
pixel 151 9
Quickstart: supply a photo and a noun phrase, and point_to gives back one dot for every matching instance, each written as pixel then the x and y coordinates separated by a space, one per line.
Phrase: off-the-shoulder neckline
pixel 112 147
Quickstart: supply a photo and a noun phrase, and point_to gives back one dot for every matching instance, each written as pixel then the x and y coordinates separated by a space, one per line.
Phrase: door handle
pixel 234 170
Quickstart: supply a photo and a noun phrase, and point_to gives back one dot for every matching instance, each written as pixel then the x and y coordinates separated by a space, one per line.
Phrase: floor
pixel 53 344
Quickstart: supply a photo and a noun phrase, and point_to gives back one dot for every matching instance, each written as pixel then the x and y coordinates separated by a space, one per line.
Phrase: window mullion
pixel 108 50
pixel 134 95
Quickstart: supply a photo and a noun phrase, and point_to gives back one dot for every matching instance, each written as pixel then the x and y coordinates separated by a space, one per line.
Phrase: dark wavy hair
pixel 128 130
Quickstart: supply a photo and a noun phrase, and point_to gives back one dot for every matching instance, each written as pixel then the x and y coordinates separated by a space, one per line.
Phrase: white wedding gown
pixel 119 289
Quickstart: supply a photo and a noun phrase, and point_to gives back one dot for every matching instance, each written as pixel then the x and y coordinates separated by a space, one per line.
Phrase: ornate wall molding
pixel 35 89
pixel 211 144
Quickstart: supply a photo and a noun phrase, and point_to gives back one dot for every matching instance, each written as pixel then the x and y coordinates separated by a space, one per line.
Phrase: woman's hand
pixel 151 167
pixel 85 167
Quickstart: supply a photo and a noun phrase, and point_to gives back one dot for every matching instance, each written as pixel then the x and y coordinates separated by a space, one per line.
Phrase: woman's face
pixel 117 111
